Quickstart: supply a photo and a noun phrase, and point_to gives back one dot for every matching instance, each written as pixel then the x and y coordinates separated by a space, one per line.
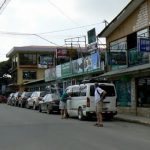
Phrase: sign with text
pixel 144 44
pixel 91 36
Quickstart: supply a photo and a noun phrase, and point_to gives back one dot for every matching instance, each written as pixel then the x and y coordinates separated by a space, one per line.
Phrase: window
pixel 14 61
pixel 27 59
pixel 29 75
pixel 117 56
pixel 109 89
pixel 143 90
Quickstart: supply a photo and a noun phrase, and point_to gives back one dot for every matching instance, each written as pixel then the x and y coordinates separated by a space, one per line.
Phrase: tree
pixel 4 67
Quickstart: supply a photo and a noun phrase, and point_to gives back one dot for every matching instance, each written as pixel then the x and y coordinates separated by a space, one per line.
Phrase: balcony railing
pixel 136 58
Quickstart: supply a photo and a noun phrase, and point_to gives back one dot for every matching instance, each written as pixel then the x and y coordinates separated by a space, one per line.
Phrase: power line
pixel 3 6
pixel 84 26
pixel 27 34
pixel 30 34
pixel 62 12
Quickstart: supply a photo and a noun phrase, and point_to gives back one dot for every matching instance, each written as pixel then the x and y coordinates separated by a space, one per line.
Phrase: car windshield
pixel 28 94
pixel 42 94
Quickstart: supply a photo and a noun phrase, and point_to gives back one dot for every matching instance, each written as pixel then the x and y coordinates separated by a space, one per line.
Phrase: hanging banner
pixel 66 69
pixel 77 66
pixel 87 63
pixel 95 59
pixel 62 53
pixel 58 71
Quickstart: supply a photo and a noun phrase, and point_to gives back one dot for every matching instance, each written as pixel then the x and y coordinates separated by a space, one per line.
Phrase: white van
pixel 82 103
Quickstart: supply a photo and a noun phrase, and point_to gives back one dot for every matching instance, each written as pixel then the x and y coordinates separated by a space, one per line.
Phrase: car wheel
pixel 40 110
pixel 27 105
pixel 48 110
pixel 34 106
pixel 80 114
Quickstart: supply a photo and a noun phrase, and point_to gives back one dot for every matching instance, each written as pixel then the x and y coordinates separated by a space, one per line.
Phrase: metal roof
pixel 126 12
pixel 39 49
pixel 127 71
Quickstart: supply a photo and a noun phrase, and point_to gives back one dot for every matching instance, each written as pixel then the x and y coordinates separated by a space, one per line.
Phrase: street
pixel 25 129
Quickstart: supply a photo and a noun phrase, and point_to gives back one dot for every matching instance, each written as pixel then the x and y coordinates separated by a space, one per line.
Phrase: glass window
pixel 29 75
pixel 143 90
pixel 109 89
pixel 92 90
pixel 27 59
pixel 42 94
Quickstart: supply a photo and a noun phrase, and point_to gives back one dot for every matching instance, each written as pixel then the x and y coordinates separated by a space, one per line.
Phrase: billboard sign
pixel 77 65
pixel 95 59
pixel 143 44
pixel 62 53
pixel 91 36
pixel 58 71
pixel 66 69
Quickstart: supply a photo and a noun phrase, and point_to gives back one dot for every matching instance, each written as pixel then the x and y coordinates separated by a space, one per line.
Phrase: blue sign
pixel 143 44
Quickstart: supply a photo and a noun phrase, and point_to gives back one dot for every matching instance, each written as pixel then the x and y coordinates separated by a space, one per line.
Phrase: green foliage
pixel 4 67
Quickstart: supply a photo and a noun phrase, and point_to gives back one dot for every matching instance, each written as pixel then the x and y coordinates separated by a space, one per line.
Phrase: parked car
pixel 10 98
pixel 33 100
pixel 3 99
pixel 16 98
pixel 23 99
pixel 49 103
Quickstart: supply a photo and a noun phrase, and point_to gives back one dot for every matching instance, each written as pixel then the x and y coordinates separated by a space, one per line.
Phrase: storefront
pixel 143 92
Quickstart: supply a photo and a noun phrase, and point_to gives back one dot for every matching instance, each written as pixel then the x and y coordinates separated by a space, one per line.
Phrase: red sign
pixel 62 53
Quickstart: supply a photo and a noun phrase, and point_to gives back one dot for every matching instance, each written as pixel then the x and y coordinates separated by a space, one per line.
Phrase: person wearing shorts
pixel 99 105
pixel 63 104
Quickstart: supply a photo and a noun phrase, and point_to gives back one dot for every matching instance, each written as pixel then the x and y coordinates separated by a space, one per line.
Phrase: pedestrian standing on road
pixel 63 104
pixel 99 96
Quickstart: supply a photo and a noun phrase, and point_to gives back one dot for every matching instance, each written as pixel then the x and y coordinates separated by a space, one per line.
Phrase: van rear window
pixel 108 88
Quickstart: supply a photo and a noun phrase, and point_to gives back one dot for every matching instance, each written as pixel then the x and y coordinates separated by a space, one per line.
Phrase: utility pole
pixel 106 22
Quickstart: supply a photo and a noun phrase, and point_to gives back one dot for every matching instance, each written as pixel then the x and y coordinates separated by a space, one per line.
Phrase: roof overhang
pixel 125 13
pixel 127 71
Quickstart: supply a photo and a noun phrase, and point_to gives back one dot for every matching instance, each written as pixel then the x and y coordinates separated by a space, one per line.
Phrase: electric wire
pixel 62 12
pixel 3 5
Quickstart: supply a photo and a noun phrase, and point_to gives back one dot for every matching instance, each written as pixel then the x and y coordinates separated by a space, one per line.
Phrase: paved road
pixel 22 129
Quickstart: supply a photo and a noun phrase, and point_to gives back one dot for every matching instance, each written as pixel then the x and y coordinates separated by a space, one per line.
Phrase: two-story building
pixel 29 64
pixel 128 57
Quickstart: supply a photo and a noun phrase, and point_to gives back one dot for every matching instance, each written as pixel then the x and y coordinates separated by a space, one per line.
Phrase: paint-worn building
pixel 128 57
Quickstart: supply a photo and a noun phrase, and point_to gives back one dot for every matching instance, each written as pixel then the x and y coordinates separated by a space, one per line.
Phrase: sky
pixel 51 22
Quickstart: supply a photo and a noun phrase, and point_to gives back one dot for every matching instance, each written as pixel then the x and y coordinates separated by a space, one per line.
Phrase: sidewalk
pixel 134 119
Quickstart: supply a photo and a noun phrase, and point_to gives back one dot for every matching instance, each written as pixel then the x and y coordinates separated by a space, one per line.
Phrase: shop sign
pixel 47 75
pixel 44 61
pixel 77 66
pixel 87 64
pixel 66 69
pixel 144 44
pixel 50 74
pixel 58 71
pixel 62 53
pixel 91 36
pixel 95 59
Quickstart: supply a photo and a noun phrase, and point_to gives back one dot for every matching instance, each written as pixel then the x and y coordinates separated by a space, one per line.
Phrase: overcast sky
pixel 51 17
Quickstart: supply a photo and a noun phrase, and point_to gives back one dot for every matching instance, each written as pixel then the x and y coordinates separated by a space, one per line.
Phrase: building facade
pixel 29 64
pixel 128 57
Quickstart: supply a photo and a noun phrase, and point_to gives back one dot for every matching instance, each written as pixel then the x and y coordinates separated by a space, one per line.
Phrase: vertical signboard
pixel 77 66
pixel 87 63
pixel 47 75
pixel 95 59
pixel 66 69
pixel 91 36
pixel 58 71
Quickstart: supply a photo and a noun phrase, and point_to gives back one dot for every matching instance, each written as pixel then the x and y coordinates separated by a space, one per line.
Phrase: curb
pixel 133 120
